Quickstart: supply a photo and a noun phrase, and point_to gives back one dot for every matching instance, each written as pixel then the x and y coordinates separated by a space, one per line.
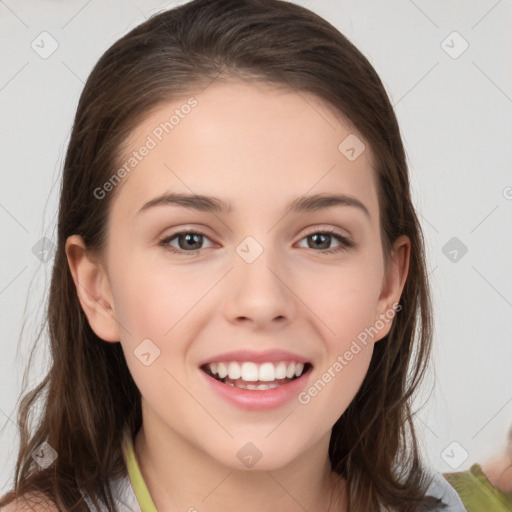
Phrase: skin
pixel 258 148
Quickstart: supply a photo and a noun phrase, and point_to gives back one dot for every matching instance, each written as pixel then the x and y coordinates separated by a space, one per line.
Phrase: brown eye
pixel 322 240
pixel 188 241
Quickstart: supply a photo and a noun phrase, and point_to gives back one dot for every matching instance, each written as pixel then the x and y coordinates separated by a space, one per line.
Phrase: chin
pixel 258 455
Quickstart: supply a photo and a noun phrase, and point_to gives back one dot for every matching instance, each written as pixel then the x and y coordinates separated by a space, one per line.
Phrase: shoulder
pixel 123 494
pixel 473 486
pixel 441 488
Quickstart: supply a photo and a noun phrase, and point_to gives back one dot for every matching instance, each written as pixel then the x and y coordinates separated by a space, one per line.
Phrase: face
pixel 255 287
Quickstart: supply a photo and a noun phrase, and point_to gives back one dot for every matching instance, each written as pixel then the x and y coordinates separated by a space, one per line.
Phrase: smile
pixel 249 375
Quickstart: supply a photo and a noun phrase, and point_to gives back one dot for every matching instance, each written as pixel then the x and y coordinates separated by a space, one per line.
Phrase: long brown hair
pixel 89 394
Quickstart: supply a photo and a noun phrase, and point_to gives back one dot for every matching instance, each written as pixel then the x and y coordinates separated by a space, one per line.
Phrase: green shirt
pixel 477 493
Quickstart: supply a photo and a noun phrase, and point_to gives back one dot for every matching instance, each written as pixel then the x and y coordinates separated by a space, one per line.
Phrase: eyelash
pixel 345 243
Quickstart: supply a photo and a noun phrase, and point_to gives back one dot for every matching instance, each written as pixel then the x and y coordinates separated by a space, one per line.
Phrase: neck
pixel 181 478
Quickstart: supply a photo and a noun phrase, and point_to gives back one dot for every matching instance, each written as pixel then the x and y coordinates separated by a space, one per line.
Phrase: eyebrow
pixel 204 203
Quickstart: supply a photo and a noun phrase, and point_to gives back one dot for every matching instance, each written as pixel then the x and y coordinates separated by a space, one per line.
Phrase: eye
pixel 192 241
pixel 188 242
pixel 322 239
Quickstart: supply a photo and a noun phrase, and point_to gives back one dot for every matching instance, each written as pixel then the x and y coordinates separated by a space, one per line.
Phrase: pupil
pixel 320 235
pixel 190 238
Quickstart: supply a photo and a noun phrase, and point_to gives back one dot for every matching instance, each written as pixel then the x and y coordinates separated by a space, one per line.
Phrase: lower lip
pixel 255 399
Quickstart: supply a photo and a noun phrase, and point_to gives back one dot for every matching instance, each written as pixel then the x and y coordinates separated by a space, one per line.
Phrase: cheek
pixel 335 385
pixel 153 304
pixel 344 298
pixel 162 308
pixel 151 297
pixel 346 319
pixel 346 309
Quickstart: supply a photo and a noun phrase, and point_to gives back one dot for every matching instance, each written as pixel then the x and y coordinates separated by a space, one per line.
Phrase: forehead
pixel 244 141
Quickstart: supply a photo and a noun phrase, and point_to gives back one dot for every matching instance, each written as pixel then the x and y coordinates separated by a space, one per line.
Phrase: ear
pixel 392 286
pixel 93 289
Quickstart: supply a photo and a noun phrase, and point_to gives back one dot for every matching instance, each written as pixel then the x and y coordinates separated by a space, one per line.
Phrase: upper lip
pixel 266 356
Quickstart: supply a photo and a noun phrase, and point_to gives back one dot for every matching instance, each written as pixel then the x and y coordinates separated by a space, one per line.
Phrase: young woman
pixel 239 311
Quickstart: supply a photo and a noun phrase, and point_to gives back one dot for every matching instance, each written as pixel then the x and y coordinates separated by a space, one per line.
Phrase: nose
pixel 260 293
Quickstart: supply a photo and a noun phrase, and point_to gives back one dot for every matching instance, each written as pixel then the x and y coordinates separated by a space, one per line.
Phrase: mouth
pixel 256 377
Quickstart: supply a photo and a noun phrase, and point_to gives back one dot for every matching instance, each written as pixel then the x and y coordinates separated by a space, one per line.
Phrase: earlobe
pixel 392 286
pixel 93 289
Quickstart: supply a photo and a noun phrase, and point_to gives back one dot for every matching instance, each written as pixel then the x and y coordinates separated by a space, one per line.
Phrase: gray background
pixel 454 108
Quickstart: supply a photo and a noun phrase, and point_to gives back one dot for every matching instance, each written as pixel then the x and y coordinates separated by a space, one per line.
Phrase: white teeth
pixel 272 385
pixel 281 371
pixel 291 371
pixel 234 371
pixel 249 372
pixel 252 372
pixel 259 387
pixel 267 372
pixel 222 370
